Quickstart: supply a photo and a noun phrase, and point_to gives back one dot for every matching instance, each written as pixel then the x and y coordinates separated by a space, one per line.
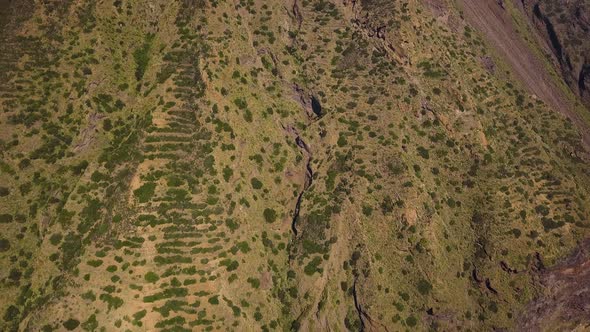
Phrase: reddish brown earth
pixel 566 298
pixel 563 303
pixel 564 26
pixel 494 22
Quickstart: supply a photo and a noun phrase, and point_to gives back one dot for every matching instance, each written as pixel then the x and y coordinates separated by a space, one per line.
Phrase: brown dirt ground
pixel 497 26
pixel 565 304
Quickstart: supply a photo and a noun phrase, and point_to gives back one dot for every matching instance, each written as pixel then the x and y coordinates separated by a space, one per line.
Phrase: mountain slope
pixel 564 27
pixel 309 165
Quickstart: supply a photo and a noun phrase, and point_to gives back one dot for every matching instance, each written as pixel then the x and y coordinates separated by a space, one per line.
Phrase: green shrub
pixel 4 245
pixel 387 205
pixel 231 224
pixel 241 103
pixel 140 314
pixel 549 224
pixel 112 301
pixel 167 293
pixel 71 248
pixel 71 324
pixel 90 215
pixel 367 210
pixel 256 184
pixel 11 313
pixel 145 192
pixel 4 191
pixel 55 239
pixel 248 116
pixel 312 266
pixel 91 324
pixel 5 218
pixel 424 287
pixel 229 264
pixel 214 300
pixel 254 282
pixel 94 262
pixel 174 181
pixel 89 296
pixel 411 321
pixel 227 173
pixel 243 246
pixel 423 152
pixel 151 277
pixel 542 210
pixel 80 168
pixel 142 58
pixel 270 215
pixel 257 316
pixel 98 176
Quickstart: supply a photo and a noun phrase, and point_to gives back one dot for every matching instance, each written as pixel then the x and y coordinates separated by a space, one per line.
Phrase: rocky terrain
pixel 306 165
pixel 564 27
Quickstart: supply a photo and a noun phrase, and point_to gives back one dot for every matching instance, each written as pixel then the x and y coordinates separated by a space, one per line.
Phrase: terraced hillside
pixel 284 165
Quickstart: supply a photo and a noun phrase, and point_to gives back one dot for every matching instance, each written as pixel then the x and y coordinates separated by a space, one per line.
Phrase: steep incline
pixel 494 19
pixel 278 165
pixel 564 26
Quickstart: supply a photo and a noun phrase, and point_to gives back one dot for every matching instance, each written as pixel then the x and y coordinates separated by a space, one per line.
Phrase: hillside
pixel 564 26
pixel 291 165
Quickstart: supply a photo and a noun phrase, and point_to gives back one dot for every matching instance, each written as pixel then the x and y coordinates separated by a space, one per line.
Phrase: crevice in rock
pixel 507 268
pixel 306 151
pixel 297 14
pixel 565 291
pixel 306 184
pixel 553 38
pixel 489 286
pixel 296 213
pixel 310 103
pixel 537 264
pixel 363 20
pixel 316 107
pixel 474 275
pixel 583 76
pixel 362 315
pixel 275 61
pixel 320 304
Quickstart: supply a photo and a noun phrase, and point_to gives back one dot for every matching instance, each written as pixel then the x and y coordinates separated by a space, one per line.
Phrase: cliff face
pixel 562 306
pixel 534 54
pixel 282 165
pixel 565 26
